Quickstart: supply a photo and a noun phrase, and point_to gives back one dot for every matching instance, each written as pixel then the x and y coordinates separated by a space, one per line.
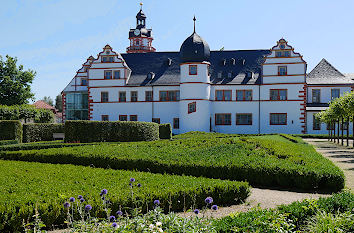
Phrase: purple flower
pixel 119 213
pixel 79 197
pixel 104 191
pixel 66 205
pixel 196 211
pixel 71 199
pixel 82 200
pixel 114 225
pixel 139 185
pixel 88 207
pixel 209 200
pixel 112 218
pixel 214 207
pixel 132 180
pixel 156 202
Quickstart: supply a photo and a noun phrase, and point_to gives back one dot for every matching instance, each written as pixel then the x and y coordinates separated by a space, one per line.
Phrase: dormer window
pixel 249 74
pixel 229 75
pixel 282 54
pixel 193 70
pixel 107 59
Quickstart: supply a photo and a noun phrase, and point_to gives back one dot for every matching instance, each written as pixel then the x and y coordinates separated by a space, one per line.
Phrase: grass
pixel 268 160
pixel 24 185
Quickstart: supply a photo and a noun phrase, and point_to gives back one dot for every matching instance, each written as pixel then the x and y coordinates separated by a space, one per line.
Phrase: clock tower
pixel 140 37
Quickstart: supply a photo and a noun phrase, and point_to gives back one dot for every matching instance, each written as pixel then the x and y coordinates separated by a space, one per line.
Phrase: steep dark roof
pixel 236 62
pixel 325 73
pixel 194 49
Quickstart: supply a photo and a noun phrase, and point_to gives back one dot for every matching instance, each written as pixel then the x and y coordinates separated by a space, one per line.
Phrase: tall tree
pixel 59 103
pixel 15 83
pixel 48 100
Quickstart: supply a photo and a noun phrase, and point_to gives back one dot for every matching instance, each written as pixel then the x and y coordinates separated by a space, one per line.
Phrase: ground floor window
pixel 316 123
pixel 156 120
pixel 192 107
pixel 244 119
pixel 133 117
pixel 123 117
pixel 223 119
pixel 278 118
pixel 176 123
pixel 105 118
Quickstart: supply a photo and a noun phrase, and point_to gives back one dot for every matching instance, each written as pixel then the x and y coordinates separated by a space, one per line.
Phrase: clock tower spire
pixel 140 37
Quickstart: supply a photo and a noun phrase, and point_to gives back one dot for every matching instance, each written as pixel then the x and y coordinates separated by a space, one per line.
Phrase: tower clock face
pixel 136 32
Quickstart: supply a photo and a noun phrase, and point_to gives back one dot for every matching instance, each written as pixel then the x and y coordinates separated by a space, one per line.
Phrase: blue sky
pixel 55 37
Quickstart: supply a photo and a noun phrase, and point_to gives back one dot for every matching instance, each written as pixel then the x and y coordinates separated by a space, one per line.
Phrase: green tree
pixel 48 100
pixel 59 103
pixel 15 82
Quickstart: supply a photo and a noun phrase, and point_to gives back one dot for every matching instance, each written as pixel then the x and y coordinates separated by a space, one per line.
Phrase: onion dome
pixel 194 49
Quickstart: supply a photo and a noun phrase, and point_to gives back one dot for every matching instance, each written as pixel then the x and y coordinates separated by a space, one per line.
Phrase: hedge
pixel 165 131
pixel 24 184
pixel 263 161
pixel 11 130
pixel 26 112
pixel 105 131
pixel 41 131
pixel 8 142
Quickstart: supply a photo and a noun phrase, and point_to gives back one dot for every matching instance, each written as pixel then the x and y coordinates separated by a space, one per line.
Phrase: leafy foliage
pixel 14 82
pixel 25 112
pixel 8 142
pixel 165 131
pixel 59 103
pixel 11 130
pixel 41 131
pixel 48 100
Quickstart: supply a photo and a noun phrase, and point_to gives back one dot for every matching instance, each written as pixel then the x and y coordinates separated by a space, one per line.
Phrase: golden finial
pixel 141 6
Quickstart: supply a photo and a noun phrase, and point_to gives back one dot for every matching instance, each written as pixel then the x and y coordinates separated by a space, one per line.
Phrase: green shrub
pixel 24 184
pixel 98 131
pixel 25 112
pixel 270 161
pixel 8 142
pixel 41 145
pixel 11 130
pixel 41 131
pixel 165 131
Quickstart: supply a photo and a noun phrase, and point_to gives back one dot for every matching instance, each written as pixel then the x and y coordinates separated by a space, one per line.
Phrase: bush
pixel 165 131
pixel 8 142
pixel 118 131
pixel 25 112
pixel 41 131
pixel 41 145
pixel 24 185
pixel 11 130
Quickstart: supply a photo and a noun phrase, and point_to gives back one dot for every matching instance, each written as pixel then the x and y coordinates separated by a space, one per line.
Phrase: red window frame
pixel 102 100
pixel 196 68
pixel 192 105
pixel 278 94
pixel 121 99
pixel 108 56
pixel 167 96
pixel 104 118
pixel 122 116
pixel 114 74
pixel 223 122
pixel 156 120
pixel 83 82
pixel 146 96
pixel 244 95
pixel 223 95
pixel 270 118
pixel 286 70
pixel 105 76
pixel 176 123
pixel 136 117
pixel 244 114
pixel 135 99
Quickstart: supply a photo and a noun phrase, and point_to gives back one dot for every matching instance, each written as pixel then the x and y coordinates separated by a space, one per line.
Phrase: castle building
pixel 195 89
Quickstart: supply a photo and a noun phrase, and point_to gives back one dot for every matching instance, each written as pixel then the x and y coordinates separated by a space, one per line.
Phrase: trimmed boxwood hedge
pixel 41 131
pixel 8 142
pixel 11 130
pixel 105 131
pixel 165 131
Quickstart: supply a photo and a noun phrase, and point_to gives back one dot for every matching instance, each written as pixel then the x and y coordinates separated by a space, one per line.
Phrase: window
pixel 193 70
pixel 107 58
pixel 104 97
pixel 278 94
pixel 156 120
pixel 249 74
pixel 192 107
pixel 133 96
pixel 316 123
pixel 137 42
pixel 133 117
pixel 122 96
pixel 123 117
pixel 278 118
pixel 83 82
pixel 223 95
pixel 316 96
pixel 169 95
pixel 104 118
pixel 243 118
pixel 116 74
pixel 148 96
pixel 335 93
pixel 243 95
pixel 176 123
pixel 223 119
pixel 220 74
pixel 282 54
pixel 229 75
pixel 282 70
pixel 344 126
pixel 107 74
